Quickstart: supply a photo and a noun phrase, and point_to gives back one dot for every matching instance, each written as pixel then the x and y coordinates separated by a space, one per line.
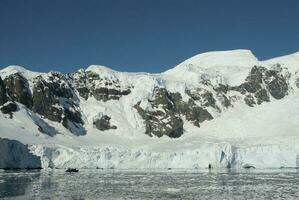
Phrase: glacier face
pixel 218 155
pixel 227 109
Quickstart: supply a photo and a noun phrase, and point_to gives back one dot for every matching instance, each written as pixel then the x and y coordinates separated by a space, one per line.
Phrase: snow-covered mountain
pixel 225 108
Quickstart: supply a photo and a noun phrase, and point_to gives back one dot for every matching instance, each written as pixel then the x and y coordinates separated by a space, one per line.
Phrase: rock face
pixel 3 96
pixel 54 99
pixel 163 109
pixel 17 88
pixel 15 155
pixel 192 112
pixel 106 94
pixel 162 118
pixel 103 123
pixel 45 101
pixel 104 89
pixel 165 115
pixel 9 108
pixel 261 83
pixel 277 83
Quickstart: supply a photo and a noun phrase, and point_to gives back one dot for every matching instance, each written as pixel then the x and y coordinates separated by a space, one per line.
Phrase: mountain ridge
pixel 194 107
pixel 226 53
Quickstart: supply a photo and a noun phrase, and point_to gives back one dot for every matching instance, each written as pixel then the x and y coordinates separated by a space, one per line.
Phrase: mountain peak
pixel 239 57
pixel 232 65
pixel 99 69
pixel 13 69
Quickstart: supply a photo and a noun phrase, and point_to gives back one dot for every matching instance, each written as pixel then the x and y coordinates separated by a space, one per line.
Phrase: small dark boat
pixel 246 166
pixel 72 170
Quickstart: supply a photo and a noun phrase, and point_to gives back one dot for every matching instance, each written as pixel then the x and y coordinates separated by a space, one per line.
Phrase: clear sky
pixel 141 35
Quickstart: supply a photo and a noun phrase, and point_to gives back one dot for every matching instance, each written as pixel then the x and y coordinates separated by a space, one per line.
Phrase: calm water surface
pixel 168 184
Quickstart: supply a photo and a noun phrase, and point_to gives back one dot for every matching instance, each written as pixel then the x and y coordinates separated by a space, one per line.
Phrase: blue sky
pixel 140 35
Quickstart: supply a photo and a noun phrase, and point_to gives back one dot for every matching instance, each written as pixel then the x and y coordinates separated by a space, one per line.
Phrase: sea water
pixel 150 184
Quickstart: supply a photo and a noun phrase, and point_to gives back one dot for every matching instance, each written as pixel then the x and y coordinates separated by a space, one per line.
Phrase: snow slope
pixel 226 67
pixel 269 141
pixel 289 61
pixel 264 136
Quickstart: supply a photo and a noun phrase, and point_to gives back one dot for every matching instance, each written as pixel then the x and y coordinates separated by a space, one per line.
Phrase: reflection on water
pixel 169 184
pixel 14 183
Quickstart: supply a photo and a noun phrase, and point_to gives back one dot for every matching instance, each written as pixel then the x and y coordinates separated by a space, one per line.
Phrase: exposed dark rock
pixel 105 94
pixel 180 106
pixel 224 100
pixel 165 118
pixel 103 123
pixel 159 123
pixel 9 108
pixel 208 99
pixel 55 100
pixel 260 82
pixel 75 128
pixel 73 115
pixel 205 97
pixel 197 115
pixel 45 102
pixel 297 82
pixel 83 92
pixel 249 100
pixel 59 85
pixel 72 120
pixel 42 125
pixel 251 87
pixel 190 110
pixel 253 82
pixel 3 96
pixel 276 84
pixel 50 131
pixel 221 88
pixel 256 74
pixel 81 81
pixel 262 96
pixel 193 112
pixel 17 88
pixel 104 89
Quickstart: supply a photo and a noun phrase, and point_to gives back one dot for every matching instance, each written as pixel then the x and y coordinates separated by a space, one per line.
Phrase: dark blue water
pixel 168 184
